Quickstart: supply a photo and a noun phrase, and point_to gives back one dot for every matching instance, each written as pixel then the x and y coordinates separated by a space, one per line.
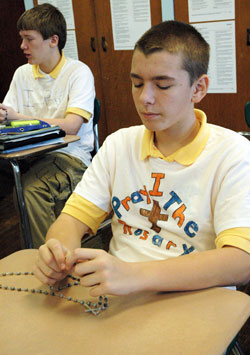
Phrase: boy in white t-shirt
pixel 178 186
pixel 57 90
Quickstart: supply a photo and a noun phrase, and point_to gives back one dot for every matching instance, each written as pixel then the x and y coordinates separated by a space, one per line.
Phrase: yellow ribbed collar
pixel 55 72
pixel 185 155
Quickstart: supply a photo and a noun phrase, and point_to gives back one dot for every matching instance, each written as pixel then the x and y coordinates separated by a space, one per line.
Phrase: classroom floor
pixel 10 242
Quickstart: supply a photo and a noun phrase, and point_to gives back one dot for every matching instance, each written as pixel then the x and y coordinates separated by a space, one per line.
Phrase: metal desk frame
pixel 13 159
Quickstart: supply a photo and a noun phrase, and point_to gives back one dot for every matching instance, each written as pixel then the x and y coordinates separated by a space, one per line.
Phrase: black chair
pixel 102 238
pixel 247 113
pixel 96 118
pixel 247 118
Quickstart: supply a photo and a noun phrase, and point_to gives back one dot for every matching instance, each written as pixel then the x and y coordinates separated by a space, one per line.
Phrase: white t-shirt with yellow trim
pixel 69 88
pixel 173 206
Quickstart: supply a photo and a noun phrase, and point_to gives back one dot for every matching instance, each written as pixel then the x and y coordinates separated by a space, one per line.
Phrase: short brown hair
pixel 47 20
pixel 178 37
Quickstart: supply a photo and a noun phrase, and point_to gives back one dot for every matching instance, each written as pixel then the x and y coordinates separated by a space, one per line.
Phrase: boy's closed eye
pixel 137 85
pixel 163 87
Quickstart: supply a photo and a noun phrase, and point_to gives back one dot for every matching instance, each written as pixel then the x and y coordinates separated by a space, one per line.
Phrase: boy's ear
pixel 54 41
pixel 200 87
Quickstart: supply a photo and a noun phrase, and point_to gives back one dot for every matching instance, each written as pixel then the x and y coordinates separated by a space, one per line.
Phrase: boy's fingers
pixel 85 267
pixel 79 255
pixel 53 254
pixel 71 259
pixel 42 277
pixel 88 254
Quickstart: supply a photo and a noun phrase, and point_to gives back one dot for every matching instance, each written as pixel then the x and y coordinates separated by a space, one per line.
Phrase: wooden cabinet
pixel 111 68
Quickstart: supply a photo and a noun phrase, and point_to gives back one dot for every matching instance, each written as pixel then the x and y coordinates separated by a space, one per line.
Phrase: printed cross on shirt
pixel 154 216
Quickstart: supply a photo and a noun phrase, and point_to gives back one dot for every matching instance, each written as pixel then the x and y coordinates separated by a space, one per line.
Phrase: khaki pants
pixel 47 185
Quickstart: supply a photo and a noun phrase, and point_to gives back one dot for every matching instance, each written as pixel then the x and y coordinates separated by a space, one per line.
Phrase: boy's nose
pixel 23 45
pixel 147 95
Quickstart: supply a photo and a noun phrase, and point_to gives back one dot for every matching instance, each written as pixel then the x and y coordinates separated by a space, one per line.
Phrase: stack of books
pixel 27 135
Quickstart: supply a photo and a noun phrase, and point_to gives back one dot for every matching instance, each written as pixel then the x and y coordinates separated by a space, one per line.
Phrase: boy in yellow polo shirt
pixel 178 186
pixel 57 90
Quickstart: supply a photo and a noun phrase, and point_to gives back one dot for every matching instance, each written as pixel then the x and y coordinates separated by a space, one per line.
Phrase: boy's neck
pixel 168 142
pixel 51 63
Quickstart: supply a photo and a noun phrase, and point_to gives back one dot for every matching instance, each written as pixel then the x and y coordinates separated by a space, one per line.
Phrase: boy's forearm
pixel 70 124
pixel 68 230
pixel 219 267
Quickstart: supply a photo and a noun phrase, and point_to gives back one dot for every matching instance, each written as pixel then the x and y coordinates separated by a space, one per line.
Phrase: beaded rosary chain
pixel 94 308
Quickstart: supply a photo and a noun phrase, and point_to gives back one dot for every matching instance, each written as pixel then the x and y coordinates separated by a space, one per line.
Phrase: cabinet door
pixel 227 110
pixel 88 50
pixel 115 69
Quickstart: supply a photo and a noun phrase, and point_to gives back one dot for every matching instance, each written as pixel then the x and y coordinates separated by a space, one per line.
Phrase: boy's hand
pixel 103 272
pixel 51 266
pixel 7 113
pixel 3 113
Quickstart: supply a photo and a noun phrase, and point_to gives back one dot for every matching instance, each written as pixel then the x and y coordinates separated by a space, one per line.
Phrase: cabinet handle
pixel 92 44
pixel 104 44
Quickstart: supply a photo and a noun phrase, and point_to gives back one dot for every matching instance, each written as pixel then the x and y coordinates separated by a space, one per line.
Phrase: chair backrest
pixel 247 113
pixel 96 118
pixel 247 119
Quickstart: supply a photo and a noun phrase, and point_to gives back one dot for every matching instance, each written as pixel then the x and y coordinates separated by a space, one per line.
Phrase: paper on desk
pixel 34 145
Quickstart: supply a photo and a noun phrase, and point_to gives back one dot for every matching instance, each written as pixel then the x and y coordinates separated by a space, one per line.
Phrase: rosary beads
pixel 94 308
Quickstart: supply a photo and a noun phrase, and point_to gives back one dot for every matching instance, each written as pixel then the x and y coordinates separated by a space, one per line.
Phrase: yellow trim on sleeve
pixel 85 211
pixel 80 112
pixel 236 237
